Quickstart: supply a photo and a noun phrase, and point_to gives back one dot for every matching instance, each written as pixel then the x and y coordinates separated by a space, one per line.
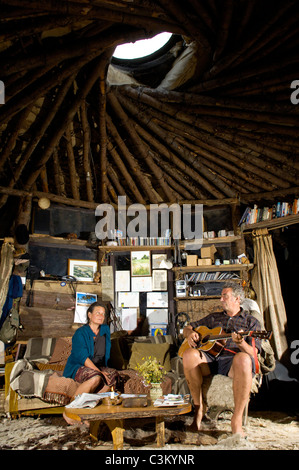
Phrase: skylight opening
pixel 142 48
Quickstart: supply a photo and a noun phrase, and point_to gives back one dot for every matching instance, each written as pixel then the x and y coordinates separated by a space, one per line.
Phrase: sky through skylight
pixel 142 48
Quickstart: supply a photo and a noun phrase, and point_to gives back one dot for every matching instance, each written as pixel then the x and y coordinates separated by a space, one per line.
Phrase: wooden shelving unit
pixel 136 248
pixel 213 268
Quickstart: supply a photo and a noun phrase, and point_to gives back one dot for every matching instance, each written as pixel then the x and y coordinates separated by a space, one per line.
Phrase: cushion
pixel 160 351
pixel 40 349
pixel 62 350
pixel 117 360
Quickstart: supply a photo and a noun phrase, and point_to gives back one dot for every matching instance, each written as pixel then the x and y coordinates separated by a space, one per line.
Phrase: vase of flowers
pixel 152 372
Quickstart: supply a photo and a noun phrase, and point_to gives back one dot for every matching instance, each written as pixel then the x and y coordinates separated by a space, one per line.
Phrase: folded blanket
pixel 27 381
pixel 60 389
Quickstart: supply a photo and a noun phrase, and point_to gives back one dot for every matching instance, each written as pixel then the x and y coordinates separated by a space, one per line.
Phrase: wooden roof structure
pixel 211 119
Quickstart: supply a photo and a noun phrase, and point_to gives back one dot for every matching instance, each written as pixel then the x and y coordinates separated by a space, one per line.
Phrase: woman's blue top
pixel 83 348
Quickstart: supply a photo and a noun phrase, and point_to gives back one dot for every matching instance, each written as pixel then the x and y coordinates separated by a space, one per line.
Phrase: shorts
pixel 222 363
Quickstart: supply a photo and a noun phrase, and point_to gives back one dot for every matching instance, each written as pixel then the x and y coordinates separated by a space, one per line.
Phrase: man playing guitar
pixel 236 360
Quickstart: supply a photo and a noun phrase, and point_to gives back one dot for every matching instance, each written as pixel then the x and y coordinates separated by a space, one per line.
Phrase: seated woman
pixel 87 363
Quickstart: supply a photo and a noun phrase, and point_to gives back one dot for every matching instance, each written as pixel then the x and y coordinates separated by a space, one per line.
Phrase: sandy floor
pixel 265 431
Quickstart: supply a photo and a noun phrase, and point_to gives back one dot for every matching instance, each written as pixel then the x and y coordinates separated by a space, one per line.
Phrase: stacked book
pixel 144 241
pixel 170 400
pixel 213 276
pixel 279 209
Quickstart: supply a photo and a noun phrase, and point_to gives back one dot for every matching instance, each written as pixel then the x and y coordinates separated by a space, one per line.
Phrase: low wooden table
pixel 114 415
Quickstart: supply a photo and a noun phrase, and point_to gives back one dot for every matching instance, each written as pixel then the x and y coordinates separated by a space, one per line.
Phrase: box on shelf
pixel 192 260
pixel 204 262
pixel 208 252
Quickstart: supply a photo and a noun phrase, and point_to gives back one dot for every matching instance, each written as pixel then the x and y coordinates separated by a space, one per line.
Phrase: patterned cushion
pixel 61 351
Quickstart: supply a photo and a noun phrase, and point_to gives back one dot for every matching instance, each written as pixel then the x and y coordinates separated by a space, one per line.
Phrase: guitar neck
pixel 225 336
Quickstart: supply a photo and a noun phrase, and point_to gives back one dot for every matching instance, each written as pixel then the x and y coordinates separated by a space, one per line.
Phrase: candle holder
pixel 111 401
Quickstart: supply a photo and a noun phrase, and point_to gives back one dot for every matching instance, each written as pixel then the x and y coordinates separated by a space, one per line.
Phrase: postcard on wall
pixel 129 319
pixel 157 299
pixel 107 283
pixel 140 263
pixel 128 299
pixel 141 284
pixel 83 301
pixel 159 279
pixel 122 281
pixel 157 259
pixel 157 315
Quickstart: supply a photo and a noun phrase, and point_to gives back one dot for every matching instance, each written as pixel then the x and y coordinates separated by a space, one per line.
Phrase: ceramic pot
pixel 155 391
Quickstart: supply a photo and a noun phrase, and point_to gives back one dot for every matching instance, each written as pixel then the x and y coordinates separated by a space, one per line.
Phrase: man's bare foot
pixel 199 412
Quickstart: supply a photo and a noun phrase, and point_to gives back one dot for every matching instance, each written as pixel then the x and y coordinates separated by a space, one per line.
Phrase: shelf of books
pixel 214 268
pixel 278 215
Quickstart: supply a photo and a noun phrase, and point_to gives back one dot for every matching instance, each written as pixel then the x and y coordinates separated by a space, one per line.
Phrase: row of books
pixel 259 214
pixel 144 241
pixel 211 276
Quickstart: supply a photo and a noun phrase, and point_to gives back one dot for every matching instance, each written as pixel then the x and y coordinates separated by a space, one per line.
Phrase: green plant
pixel 151 370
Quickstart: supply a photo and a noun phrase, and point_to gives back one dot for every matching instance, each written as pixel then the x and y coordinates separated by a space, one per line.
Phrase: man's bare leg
pixel 195 368
pixel 241 373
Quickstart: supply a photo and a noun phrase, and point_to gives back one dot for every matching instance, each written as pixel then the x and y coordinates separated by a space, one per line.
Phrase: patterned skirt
pixel 109 376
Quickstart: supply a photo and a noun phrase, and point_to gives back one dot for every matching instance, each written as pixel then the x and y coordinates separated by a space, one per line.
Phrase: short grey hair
pixel 237 289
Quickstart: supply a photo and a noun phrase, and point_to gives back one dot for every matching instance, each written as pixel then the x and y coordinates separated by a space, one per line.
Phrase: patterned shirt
pixel 242 321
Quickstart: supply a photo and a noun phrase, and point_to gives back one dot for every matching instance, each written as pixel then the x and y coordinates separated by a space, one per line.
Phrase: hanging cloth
pixel 266 283
pixel 6 267
pixel 15 290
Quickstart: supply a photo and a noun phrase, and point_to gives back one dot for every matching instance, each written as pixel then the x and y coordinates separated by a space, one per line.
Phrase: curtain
pixel 6 267
pixel 266 283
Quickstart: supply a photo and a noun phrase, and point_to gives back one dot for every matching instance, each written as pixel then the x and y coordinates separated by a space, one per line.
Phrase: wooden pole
pixel 86 151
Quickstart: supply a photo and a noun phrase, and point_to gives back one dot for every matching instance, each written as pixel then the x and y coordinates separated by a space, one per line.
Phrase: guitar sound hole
pixel 205 339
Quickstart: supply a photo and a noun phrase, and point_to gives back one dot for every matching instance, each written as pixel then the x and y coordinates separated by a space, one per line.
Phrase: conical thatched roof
pixel 212 119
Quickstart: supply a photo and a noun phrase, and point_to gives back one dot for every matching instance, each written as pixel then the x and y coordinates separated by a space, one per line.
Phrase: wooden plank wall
pixel 52 307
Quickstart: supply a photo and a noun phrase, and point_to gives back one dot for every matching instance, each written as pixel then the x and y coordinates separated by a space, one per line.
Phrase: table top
pixel 106 412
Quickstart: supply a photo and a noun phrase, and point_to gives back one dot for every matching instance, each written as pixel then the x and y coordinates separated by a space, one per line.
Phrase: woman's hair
pixel 99 303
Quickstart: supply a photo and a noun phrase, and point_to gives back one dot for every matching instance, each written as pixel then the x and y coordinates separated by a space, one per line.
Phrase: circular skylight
pixel 142 48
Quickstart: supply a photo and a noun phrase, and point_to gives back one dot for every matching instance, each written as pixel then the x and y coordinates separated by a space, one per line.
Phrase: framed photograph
pixel 159 279
pixel 157 259
pixel 82 269
pixel 140 263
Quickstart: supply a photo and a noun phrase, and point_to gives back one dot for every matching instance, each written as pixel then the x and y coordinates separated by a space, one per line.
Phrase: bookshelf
pixel 213 268
pixel 279 214
pixel 272 224
pixel 184 244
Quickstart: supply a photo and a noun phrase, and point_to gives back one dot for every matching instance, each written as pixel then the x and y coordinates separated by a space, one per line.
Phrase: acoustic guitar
pixel 213 340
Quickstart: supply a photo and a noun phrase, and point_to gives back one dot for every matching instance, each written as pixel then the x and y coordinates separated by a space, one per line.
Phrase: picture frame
pixel 159 279
pixel 157 259
pixel 141 263
pixel 82 269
